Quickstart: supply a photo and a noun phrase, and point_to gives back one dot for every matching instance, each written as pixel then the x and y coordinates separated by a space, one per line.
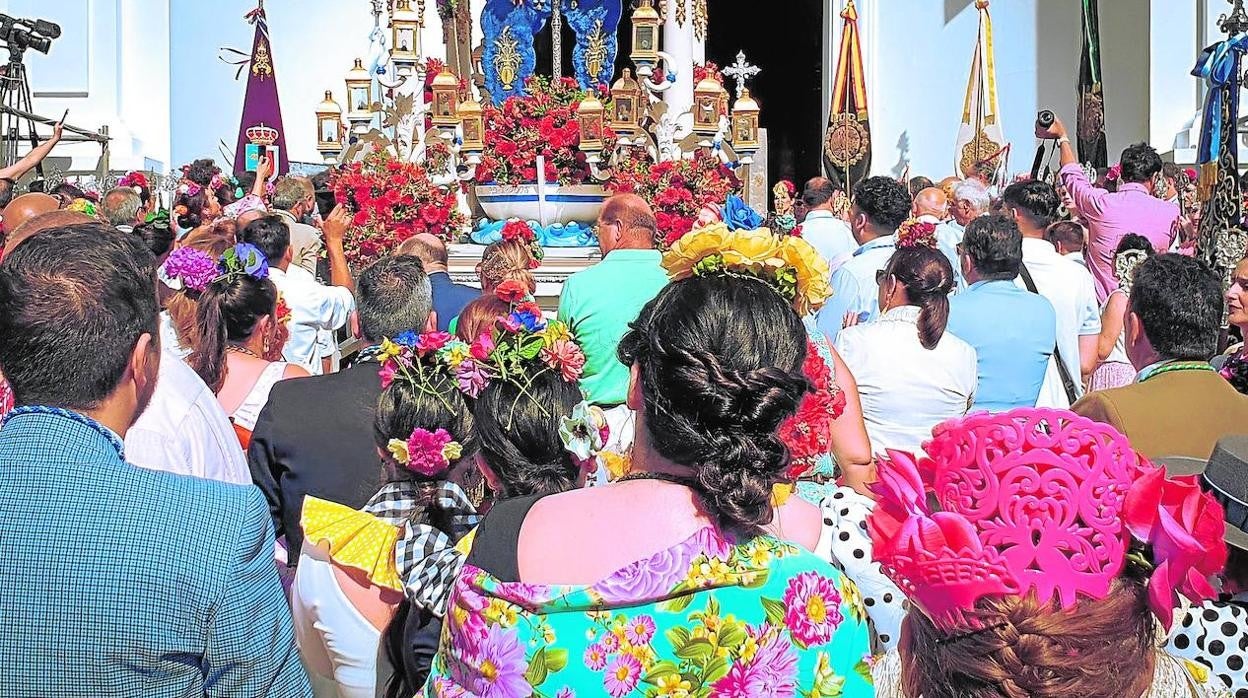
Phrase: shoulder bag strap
pixel 1068 383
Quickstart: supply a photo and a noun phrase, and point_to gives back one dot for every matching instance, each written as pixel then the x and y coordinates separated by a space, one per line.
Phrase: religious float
pixel 458 146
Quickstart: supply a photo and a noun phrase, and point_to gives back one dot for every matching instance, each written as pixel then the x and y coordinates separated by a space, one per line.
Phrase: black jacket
pixel 315 436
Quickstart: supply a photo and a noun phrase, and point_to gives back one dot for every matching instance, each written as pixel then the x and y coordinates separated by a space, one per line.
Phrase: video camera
pixel 21 34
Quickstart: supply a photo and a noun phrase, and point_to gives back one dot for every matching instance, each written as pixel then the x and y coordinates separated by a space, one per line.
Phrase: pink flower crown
pixel 1038 500
pixel 916 233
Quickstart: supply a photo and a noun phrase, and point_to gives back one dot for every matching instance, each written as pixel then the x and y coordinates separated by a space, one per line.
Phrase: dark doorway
pixel 785 39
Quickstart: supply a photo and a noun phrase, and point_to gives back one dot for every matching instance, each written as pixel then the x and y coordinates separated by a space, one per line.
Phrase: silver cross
pixel 741 71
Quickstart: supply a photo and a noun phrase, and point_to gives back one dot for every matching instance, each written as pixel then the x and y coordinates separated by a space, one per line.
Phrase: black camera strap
pixel 1068 383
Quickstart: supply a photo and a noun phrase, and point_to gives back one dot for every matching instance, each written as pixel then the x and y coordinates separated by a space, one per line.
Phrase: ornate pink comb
pixel 1031 499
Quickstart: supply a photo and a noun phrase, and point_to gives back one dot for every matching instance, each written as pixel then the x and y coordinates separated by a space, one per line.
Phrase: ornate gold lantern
pixel 626 103
pixel 405 33
pixel 645 37
pixel 328 125
pixel 445 99
pixel 473 125
pixel 359 93
pixel 708 98
pixel 589 119
pixel 745 122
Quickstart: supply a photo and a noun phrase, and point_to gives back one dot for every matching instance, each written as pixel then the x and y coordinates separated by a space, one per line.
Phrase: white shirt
pixel 169 337
pixel 314 309
pixel 907 389
pixel 948 237
pixel 1069 287
pixel 830 236
pixel 184 430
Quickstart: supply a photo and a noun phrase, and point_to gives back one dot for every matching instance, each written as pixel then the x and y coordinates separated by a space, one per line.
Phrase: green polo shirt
pixel 598 303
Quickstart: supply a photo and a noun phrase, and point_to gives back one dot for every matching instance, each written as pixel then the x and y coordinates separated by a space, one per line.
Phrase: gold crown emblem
pixel 262 135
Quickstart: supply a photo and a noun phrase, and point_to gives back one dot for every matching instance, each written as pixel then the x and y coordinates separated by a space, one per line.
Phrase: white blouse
pixel 906 389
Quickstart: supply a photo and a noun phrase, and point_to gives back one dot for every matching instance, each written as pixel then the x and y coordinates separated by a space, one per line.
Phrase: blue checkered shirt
pixel 119 581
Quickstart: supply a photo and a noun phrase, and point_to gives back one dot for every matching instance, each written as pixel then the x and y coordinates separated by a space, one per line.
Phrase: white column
pixel 679 43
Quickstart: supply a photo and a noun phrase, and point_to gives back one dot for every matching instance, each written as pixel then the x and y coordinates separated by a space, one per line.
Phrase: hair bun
pixel 751 401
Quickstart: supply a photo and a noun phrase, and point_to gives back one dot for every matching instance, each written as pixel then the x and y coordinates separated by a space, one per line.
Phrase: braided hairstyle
pixel 720 362
pixel 507 260
pixel 519 434
pixel 927 276
pixel 1102 648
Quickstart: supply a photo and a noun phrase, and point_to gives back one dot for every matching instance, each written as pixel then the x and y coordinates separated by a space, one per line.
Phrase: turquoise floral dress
pixel 708 617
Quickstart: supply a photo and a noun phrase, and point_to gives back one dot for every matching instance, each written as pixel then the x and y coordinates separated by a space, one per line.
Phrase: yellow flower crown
pixel 788 263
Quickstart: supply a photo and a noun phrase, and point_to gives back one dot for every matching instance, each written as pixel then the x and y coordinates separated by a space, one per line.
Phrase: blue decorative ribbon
pixel 1218 66
pixel 571 234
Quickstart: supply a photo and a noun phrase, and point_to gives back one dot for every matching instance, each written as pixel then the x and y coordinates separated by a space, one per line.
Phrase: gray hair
pixel 291 191
pixel 121 206
pixel 974 193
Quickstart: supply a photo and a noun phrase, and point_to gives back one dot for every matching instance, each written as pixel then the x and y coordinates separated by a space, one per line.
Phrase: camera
pixel 21 34
pixel 1045 118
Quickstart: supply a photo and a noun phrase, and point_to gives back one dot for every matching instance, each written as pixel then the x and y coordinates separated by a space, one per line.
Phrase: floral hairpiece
pixel 1114 173
pixel 522 346
pixel 189 188
pixel 1038 500
pixel 190 268
pixel 427 453
pixel 82 206
pixel 135 180
pixel 243 259
pixel 516 229
pixel 789 264
pixel 916 233
pixel 584 433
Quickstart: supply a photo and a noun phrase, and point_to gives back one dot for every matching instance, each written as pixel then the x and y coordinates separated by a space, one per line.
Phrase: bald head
pixel 931 202
pixel 42 222
pixel 626 222
pixel 428 248
pixel 254 214
pixel 25 207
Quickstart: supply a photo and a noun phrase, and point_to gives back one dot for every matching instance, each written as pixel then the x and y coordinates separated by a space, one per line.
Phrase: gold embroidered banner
pixel 847 140
pixel 981 147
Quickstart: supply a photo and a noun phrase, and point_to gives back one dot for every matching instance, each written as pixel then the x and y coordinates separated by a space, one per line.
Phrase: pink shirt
pixel 1109 217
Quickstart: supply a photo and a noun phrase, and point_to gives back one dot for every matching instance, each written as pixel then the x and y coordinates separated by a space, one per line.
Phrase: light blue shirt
pixel 829 235
pixel 854 287
pixel 1013 332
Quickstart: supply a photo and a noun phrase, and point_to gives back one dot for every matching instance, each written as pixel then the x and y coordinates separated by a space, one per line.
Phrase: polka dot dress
pixel 1215 635
pixel 847 545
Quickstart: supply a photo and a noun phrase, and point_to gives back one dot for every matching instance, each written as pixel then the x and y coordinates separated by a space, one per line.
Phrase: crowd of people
pixel 944 439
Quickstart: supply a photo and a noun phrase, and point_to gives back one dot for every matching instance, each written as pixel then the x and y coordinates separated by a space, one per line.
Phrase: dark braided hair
pixel 720 362
pixel 519 434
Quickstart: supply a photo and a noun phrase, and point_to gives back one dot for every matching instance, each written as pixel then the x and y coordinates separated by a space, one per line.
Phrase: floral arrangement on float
pixel 543 122
pixel 392 201
pixel 678 190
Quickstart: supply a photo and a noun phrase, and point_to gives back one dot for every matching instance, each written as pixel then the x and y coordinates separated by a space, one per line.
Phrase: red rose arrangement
pixel 677 189
pixel 543 122
pixel 808 433
pixel 392 201
pixel 516 229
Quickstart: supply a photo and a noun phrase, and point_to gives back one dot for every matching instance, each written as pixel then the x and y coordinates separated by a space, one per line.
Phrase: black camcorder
pixel 21 34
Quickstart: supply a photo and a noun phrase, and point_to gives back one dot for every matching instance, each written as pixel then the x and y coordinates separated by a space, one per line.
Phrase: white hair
pixel 973 192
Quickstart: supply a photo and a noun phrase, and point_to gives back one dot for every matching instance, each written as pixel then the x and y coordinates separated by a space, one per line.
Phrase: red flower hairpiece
pixel 916 233
pixel 808 433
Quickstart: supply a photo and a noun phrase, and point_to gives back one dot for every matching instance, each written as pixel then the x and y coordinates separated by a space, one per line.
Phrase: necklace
pixel 239 349
pixel 1177 366
pixel 665 477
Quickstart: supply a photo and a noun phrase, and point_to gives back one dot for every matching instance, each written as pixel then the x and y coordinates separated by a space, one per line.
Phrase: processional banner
pixel 981 147
pixel 847 141
pixel 261 123
pixel 1091 117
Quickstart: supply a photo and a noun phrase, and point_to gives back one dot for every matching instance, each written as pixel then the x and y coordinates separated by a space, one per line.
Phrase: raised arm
pixel 1089 200
pixel 28 162
pixel 335 231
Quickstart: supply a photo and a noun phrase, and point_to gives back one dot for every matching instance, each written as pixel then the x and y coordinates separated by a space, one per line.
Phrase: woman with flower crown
pixel 365 576
pixel 1043 558
pixel 702 596
pixel 238 336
